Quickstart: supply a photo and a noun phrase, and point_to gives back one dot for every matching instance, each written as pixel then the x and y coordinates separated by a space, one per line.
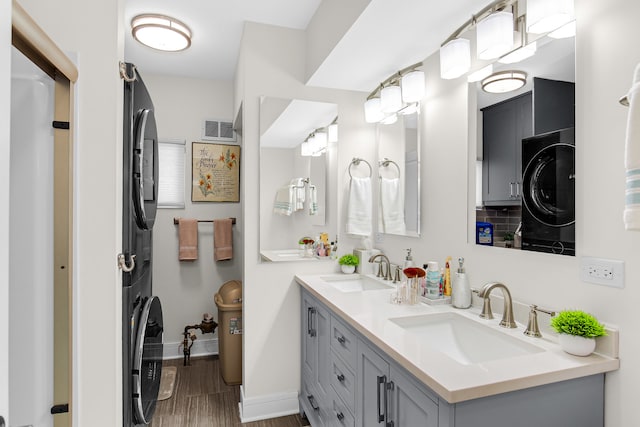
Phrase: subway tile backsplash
pixel 503 219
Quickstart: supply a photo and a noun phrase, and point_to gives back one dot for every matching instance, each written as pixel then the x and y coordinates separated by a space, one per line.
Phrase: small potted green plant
pixel 577 331
pixel 348 263
pixel 508 239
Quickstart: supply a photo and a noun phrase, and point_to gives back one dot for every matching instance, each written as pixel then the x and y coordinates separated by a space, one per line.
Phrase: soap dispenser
pixel 461 292
pixel 408 261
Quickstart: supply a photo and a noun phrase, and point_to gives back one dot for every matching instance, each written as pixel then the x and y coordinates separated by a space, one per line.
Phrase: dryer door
pixel 548 183
pixel 147 361
pixel 145 169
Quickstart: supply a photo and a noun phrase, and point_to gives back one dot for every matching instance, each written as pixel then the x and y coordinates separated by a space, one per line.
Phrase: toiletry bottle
pixel 441 290
pixel 408 261
pixel 447 277
pixel 423 281
pixel 334 249
pixel 461 293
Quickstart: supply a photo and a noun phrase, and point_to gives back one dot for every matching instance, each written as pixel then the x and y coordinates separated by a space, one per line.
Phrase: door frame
pixel 35 44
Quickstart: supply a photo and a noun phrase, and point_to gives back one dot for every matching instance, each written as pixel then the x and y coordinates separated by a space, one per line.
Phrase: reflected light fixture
pixel 547 15
pixel 495 35
pixel 564 32
pixel 306 149
pixel 476 76
pixel 390 119
pixel 504 81
pixel 161 32
pixel 455 58
pixel 520 54
pixel 390 99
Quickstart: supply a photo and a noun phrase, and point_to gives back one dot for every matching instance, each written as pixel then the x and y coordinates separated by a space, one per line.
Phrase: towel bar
pixel 177 220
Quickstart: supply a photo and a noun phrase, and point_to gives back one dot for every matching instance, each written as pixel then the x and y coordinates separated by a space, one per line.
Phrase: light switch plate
pixel 606 272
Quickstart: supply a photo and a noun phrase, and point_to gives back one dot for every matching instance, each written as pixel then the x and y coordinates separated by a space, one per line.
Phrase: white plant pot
pixel 576 345
pixel 348 269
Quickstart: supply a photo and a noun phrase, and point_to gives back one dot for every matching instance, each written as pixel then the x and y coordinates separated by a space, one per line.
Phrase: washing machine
pixel 548 192
pixel 142 322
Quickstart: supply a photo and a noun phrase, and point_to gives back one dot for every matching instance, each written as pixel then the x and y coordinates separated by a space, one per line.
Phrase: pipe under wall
pixel 208 325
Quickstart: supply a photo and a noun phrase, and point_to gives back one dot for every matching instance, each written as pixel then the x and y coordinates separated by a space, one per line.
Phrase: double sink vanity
pixel 368 362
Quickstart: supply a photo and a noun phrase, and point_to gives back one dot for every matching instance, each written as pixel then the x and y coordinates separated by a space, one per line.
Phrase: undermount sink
pixel 464 340
pixel 354 283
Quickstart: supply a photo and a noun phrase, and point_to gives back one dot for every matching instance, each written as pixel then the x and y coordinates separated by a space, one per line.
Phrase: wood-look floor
pixel 202 399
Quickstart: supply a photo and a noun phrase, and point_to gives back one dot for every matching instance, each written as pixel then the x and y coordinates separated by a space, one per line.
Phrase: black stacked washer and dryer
pixel 142 325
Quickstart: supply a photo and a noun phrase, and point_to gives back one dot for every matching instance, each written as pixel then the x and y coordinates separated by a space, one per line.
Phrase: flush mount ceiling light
pixel 547 15
pixel 455 58
pixel 495 35
pixel 504 81
pixel 161 32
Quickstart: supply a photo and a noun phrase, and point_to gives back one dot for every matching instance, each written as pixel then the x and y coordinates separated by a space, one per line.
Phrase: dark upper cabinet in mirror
pixel 526 185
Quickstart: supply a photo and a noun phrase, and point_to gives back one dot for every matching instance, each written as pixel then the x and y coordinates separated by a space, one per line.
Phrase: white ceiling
pixel 388 36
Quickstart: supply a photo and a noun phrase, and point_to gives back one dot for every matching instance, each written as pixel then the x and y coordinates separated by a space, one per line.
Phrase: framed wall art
pixel 215 172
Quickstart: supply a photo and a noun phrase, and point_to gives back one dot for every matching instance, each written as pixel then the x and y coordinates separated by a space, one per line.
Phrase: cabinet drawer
pixel 343 342
pixel 310 405
pixel 340 414
pixel 343 381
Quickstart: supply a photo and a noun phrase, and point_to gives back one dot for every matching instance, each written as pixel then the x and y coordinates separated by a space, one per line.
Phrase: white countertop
pixel 369 313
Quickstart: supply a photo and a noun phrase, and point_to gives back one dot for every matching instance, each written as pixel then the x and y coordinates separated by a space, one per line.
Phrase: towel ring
pixel 356 161
pixel 385 163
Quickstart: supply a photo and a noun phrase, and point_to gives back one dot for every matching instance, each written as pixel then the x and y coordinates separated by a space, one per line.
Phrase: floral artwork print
pixel 216 172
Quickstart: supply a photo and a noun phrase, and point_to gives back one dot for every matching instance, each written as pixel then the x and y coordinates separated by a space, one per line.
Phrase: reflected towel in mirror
pixel 285 200
pixel 313 200
pixel 632 157
pixel 299 193
pixel 359 207
pixel 392 206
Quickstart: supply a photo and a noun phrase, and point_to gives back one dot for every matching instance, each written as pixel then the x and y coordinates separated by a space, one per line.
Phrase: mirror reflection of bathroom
pixel 399 176
pixel 525 177
pixel 295 153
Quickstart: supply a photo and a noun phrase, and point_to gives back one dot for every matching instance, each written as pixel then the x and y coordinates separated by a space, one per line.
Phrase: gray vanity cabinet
pixel 503 127
pixel 349 381
pixel 315 397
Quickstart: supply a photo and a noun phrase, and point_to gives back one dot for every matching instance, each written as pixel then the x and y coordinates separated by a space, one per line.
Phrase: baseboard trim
pixel 173 350
pixel 265 407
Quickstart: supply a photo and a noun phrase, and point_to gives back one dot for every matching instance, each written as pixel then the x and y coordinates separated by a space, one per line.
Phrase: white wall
pixel 5 122
pixel 94 31
pixel 272 64
pixel 186 289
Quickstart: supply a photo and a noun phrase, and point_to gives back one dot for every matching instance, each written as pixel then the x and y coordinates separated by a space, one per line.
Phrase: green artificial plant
pixel 348 259
pixel 577 322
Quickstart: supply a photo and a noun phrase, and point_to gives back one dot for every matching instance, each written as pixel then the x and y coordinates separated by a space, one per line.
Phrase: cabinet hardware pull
pixel 340 377
pixel 517 189
pixel 382 380
pixel 310 330
pixel 312 401
pixel 340 416
pixel 511 195
pixel 341 339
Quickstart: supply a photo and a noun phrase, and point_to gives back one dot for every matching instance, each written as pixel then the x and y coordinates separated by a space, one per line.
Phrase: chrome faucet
pixel 387 274
pixel 507 313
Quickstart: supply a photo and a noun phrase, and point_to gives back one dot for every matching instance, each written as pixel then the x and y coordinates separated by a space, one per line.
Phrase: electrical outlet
pixel 607 272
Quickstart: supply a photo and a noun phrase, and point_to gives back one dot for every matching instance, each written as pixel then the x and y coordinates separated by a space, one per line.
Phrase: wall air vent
pixel 218 130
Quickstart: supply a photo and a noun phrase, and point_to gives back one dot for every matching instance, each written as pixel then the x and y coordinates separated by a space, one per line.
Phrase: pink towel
pixel 222 239
pixel 188 239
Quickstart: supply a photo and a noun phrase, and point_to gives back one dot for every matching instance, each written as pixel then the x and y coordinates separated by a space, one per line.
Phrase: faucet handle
pixel 532 326
pixel 396 278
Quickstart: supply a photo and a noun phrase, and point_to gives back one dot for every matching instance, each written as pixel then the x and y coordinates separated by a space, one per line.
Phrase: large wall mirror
pixel 399 176
pixel 525 176
pixel 294 180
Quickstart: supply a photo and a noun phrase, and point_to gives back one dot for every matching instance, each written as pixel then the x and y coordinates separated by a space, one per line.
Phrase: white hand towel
pixel 285 201
pixel 298 183
pixel 313 200
pixel 392 206
pixel 359 207
pixel 632 157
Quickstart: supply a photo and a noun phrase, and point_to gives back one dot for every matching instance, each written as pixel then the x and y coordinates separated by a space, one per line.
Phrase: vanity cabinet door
pixel 504 126
pixel 371 394
pixel 409 405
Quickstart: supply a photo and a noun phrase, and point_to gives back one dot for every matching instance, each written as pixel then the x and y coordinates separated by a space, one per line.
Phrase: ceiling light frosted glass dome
pixel 547 15
pixel 504 81
pixel 161 32
pixel 455 58
pixel 495 35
